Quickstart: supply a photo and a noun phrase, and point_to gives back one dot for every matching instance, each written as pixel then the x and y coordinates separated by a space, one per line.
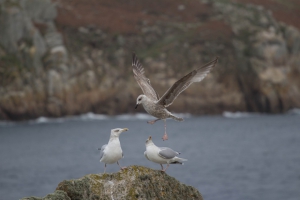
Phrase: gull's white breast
pixel 112 152
pixel 153 154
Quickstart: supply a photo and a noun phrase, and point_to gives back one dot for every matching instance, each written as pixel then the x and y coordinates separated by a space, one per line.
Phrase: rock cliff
pixel 69 57
pixel 135 182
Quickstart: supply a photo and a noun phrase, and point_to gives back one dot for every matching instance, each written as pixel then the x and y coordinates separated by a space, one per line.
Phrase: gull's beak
pixel 149 138
pixel 125 129
pixel 136 106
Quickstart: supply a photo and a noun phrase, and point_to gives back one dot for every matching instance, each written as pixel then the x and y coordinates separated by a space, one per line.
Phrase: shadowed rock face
pixel 75 57
pixel 135 182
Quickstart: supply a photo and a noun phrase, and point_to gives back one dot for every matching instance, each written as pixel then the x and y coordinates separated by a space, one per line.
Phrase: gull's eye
pixel 140 99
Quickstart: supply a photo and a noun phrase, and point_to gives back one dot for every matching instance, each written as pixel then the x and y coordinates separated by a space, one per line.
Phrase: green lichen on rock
pixel 136 182
pixel 10 4
pixel 56 195
pixel 78 189
pixel 10 67
pixel 133 183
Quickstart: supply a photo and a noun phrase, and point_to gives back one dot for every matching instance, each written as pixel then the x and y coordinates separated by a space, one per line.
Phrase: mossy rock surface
pixel 57 195
pixel 135 182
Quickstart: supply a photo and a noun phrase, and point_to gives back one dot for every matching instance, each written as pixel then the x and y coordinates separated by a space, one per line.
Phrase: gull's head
pixel 140 100
pixel 117 131
pixel 149 141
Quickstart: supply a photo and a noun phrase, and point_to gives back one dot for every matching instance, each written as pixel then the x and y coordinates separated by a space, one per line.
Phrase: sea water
pixel 235 156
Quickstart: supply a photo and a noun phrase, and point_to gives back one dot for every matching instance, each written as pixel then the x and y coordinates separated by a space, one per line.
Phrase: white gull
pixel 162 155
pixel 112 152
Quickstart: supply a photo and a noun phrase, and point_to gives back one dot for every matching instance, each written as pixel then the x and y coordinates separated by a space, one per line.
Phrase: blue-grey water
pixel 254 157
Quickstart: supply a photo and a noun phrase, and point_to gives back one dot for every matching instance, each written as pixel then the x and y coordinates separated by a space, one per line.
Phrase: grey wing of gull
pixel 167 153
pixel 142 80
pixel 179 86
pixel 102 150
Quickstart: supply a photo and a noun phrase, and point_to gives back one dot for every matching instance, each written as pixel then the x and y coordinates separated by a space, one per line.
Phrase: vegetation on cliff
pixel 69 57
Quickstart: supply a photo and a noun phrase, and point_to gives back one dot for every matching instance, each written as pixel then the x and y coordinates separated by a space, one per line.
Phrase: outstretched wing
pixel 196 75
pixel 142 80
pixel 167 153
pixel 102 150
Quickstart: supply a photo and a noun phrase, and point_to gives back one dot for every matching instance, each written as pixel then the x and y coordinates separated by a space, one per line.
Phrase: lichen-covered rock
pixel 56 195
pixel 133 183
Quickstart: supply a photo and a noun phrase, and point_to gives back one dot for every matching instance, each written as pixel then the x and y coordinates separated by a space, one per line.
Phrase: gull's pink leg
pixel 153 121
pixel 162 167
pixel 166 168
pixel 165 137
pixel 120 166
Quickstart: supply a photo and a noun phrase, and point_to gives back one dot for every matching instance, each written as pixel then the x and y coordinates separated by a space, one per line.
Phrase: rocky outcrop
pixel 267 57
pixel 135 182
pixel 33 58
pixel 65 58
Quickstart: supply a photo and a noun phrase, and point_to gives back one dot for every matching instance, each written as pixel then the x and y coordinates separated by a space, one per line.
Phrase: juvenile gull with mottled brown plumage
pixel 150 100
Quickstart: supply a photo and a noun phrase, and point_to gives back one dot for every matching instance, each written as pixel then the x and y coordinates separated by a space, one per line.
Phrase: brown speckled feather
pixel 142 80
pixel 179 86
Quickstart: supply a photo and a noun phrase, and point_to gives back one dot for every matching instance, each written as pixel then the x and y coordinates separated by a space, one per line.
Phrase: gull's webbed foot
pixel 122 168
pixel 165 137
pixel 153 121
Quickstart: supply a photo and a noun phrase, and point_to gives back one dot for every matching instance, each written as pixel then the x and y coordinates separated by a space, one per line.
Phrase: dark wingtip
pixel 217 59
pixel 214 62
pixel 134 58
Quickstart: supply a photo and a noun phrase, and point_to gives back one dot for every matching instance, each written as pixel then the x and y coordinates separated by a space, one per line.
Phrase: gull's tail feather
pixel 178 160
pixel 176 118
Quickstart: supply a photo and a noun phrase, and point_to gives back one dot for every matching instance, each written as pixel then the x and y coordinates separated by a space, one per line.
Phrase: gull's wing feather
pixel 167 153
pixel 142 80
pixel 102 150
pixel 179 86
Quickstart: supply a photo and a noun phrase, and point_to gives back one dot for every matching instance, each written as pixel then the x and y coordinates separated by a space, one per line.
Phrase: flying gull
pixel 112 152
pixel 161 155
pixel 155 105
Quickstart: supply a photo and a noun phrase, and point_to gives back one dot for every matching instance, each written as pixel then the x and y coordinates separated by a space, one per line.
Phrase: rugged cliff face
pixel 69 57
pixel 133 183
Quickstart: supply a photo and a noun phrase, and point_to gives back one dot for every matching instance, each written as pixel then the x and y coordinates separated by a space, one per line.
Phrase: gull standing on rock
pixel 161 155
pixel 112 152
pixel 150 100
